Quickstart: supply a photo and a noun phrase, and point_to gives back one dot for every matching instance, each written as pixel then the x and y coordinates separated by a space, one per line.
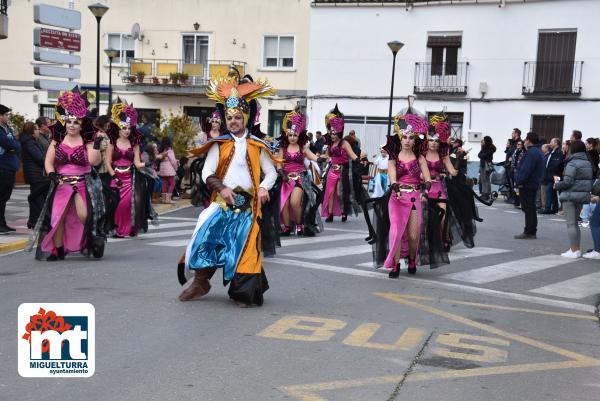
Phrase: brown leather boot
pixel 199 287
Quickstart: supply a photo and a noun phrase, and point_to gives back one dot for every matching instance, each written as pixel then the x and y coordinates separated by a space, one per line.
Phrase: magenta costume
pixel 408 176
pixel 123 167
pixel 72 165
pixel 339 163
pixel 437 190
pixel 293 167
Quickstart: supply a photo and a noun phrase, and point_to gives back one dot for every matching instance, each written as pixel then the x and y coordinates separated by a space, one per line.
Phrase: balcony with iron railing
pixel 441 78
pixel 176 76
pixel 553 78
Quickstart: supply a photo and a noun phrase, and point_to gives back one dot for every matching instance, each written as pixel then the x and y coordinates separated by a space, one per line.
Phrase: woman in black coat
pixel 486 166
pixel 32 154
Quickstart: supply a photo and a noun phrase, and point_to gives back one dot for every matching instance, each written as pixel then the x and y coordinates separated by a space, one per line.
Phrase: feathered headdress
pixel 334 120
pixel 124 116
pixel 72 105
pixel 234 94
pixel 293 122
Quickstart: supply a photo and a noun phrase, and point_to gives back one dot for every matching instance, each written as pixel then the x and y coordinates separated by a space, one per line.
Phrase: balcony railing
pixel 160 72
pixel 441 78
pixel 552 78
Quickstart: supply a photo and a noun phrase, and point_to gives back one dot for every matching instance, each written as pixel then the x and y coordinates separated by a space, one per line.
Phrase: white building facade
pixel 491 65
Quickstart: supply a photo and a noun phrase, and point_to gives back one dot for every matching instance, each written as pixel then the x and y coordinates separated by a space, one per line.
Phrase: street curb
pixel 13 246
pixel 20 244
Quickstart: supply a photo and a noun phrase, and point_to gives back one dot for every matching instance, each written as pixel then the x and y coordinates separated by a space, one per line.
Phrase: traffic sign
pixel 56 39
pixel 57 57
pixel 56 16
pixel 59 72
pixel 49 84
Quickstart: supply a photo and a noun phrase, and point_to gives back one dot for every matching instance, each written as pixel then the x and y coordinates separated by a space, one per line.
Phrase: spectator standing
pixel 44 136
pixel 511 147
pixel 458 157
pixel 486 166
pixel 528 177
pixel 542 190
pixel 9 164
pixel 575 188
pixel 592 153
pixel 554 163
pixel 32 155
pixel 167 169
pixel 595 228
pixel 576 135
pixel 317 147
pixel 356 147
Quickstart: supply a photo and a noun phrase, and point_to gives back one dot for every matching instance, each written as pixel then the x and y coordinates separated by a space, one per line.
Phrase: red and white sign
pixel 55 39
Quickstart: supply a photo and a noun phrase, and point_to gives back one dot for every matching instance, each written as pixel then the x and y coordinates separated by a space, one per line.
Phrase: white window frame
pixel 263 67
pixel 444 58
pixel 117 64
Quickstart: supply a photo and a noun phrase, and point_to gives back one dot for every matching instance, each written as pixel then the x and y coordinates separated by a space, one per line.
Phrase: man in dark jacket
pixel 528 177
pixel 33 157
pixel 554 163
pixel 511 147
pixel 9 164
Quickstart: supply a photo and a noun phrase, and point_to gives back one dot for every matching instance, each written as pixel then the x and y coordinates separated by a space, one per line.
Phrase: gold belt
pixel 382 171
pixel 122 169
pixel 71 179
pixel 243 200
pixel 407 188
pixel 336 167
pixel 293 176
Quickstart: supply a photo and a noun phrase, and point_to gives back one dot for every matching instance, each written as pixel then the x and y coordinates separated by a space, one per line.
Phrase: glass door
pixel 195 56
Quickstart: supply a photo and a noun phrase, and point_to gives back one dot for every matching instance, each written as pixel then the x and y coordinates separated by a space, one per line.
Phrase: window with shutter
pixel 278 52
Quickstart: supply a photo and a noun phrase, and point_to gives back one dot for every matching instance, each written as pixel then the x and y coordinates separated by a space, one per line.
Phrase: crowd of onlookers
pixel 550 178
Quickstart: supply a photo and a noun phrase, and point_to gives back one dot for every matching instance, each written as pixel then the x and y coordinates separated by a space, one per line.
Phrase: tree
pixel 181 131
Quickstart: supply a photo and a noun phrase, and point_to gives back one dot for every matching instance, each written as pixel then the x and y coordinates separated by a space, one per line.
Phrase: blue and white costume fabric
pixel 381 179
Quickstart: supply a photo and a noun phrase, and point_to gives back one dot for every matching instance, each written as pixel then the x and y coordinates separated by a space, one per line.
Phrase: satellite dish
pixel 135 31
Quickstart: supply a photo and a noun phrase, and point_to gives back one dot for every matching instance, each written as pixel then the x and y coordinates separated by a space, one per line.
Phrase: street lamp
pixel 395 47
pixel 111 53
pixel 98 10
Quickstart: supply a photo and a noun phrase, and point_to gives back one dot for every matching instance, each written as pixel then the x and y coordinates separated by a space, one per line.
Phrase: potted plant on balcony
pixel 131 79
pixel 165 81
pixel 140 76
pixel 174 77
pixel 155 80
pixel 183 78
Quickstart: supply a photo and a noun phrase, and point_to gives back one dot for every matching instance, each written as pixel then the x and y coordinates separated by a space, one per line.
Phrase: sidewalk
pixel 17 211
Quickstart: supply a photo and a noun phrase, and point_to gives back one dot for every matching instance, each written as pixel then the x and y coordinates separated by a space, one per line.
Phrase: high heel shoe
pixel 329 218
pixel 344 218
pixel 285 231
pixel 299 230
pixel 59 255
pixel 412 266
pixel 395 272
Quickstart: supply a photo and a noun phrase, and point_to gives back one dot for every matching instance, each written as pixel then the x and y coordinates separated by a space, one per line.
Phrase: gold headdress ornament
pixel 237 95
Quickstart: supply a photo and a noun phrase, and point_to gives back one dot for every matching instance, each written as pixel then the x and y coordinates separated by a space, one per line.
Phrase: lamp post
pixel 98 10
pixel 111 53
pixel 395 47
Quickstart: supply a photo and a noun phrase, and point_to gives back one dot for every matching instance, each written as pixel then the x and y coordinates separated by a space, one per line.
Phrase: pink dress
pixel 293 164
pixel 339 157
pixel 407 174
pixel 123 165
pixel 437 190
pixel 69 162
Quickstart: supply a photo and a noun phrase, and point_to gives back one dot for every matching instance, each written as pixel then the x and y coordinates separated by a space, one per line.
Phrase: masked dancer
pixel 124 165
pixel 340 186
pixel 228 233
pixel 299 197
pixel 69 221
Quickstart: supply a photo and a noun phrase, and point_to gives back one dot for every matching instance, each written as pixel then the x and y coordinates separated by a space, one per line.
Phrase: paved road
pixel 507 320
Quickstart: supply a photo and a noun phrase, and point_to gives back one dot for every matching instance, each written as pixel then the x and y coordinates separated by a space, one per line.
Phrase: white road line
pixel 561 220
pixel 167 234
pixel 174 243
pixel 173 225
pixel 462 253
pixel 332 252
pixel 459 287
pixel 178 218
pixel 511 211
pixel 575 288
pixel 345 230
pixel 320 239
pixel 509 269
pixel 490 208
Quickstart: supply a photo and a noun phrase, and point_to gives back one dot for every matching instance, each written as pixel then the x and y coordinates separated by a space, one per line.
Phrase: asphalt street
pixel 507 320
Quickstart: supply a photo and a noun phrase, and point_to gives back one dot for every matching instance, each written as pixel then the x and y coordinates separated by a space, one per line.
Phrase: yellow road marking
pixel 362 334
pixel 308 392
pixel 325 331
pixel 502 307
pixel 486 354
